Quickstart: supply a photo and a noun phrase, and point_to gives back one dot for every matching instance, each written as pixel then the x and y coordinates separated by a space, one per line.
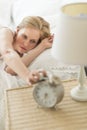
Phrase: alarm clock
pixel 49 91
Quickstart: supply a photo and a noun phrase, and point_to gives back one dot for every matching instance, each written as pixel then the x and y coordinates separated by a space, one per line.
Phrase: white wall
pixel 5 7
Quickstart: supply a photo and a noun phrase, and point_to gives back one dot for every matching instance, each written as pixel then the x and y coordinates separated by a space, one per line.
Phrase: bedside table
pixel 22 112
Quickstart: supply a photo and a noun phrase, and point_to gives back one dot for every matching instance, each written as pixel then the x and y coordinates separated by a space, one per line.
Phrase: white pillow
pixel 44 60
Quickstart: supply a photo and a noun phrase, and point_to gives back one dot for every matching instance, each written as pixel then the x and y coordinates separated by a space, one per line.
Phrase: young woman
pixel 33 33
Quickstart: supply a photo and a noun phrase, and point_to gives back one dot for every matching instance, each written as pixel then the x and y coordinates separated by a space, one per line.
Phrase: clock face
pixel 45 94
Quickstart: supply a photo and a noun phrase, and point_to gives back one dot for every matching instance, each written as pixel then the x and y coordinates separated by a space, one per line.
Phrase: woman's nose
pixel 26 43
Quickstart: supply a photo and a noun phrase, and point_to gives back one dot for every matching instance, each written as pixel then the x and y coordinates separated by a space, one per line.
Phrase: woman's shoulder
pixel 6 30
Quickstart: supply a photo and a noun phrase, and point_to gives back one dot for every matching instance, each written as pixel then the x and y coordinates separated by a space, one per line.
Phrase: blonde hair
pixel 37 23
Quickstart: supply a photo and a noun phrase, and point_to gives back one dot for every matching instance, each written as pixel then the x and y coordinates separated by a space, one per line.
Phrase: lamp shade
pixel 70 40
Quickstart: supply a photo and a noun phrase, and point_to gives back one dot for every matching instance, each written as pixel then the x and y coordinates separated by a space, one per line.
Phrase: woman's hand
pixel 47 42
pixel 32 77
pixel 35 75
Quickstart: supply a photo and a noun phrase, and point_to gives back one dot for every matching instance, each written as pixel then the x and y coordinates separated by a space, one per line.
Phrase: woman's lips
pixel 23 48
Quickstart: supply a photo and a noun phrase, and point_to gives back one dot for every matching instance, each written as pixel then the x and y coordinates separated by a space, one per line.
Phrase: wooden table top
pixel 23 113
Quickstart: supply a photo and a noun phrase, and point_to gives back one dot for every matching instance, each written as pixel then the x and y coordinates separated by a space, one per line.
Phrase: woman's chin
pixel 19 53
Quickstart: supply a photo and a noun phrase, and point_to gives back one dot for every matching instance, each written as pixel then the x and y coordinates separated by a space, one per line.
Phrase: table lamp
pixel 70 42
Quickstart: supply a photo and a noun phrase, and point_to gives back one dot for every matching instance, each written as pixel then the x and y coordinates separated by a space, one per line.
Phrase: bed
pixel 16 10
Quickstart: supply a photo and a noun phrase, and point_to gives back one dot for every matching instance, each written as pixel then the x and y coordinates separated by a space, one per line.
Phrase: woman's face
pixel 26 39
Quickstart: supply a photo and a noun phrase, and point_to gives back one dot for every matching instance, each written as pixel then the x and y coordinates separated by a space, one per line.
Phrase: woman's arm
pixel 12 59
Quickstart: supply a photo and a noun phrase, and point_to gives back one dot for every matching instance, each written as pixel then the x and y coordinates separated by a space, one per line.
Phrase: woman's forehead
pixel 31 32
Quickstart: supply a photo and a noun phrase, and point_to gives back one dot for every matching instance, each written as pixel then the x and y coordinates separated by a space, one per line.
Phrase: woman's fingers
pixel 35 76
pixel 51 38
pixel 42 71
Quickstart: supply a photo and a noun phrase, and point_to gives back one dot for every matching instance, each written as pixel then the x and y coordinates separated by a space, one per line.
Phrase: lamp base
pixel 79 93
